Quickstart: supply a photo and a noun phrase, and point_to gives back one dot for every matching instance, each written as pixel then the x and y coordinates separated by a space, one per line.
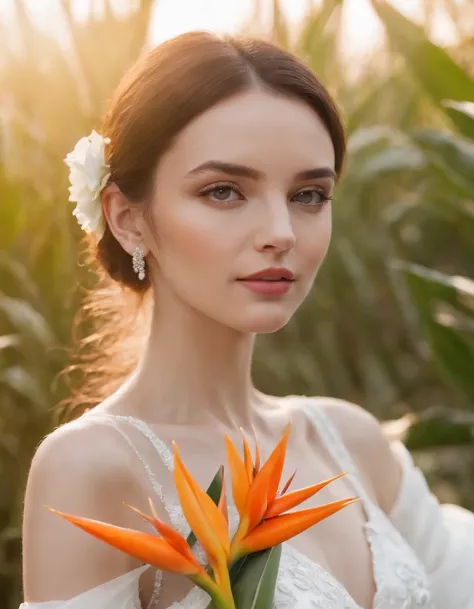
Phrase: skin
pixel 205 230
pixel 198 246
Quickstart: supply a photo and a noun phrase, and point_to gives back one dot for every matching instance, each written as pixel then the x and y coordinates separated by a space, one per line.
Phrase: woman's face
pixel 244 190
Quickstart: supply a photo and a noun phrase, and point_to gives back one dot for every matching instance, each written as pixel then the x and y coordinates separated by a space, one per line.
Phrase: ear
pixel 122 218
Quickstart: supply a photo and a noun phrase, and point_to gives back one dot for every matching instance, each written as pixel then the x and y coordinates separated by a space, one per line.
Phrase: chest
pixel 353 560
pixel 391 577
pixel 337 545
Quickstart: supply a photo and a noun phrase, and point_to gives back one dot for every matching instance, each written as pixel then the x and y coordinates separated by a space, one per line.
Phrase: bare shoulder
pixel 81 468
pixel 364 437
pixel 84 448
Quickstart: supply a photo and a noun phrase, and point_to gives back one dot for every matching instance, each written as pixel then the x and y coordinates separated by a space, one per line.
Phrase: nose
pixel 276 230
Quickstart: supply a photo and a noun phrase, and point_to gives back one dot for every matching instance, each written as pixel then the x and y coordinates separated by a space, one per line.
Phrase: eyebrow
pixel 254 174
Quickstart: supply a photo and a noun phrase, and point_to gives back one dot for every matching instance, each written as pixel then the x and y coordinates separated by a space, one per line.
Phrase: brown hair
pixel 164 91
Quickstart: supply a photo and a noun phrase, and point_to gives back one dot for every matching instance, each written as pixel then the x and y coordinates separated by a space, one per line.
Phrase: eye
pixel 222 192
pixel 311 197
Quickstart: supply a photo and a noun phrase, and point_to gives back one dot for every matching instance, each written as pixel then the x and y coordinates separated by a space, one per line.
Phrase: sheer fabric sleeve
pixel 119 593
pixel 441 535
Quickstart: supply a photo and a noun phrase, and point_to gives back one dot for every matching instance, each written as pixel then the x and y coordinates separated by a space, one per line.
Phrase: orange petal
pixel 143 546
pixel 222 505
pixel 281 528
pixel 291 500
pixel 257 453
pixel 149 519
pixel 214 514
pixel 175 539
pixel 240 483
pixel 204 517
pixel 277 458
pixel 248 461
pixel 265 485
pixel 288 483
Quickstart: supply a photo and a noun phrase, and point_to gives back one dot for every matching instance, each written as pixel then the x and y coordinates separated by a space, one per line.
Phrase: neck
pixel 194 371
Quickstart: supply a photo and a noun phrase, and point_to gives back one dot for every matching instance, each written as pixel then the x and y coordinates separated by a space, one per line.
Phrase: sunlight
pixel 361 29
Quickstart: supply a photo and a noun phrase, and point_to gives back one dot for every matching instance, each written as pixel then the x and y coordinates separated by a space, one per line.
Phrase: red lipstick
pixel 273 281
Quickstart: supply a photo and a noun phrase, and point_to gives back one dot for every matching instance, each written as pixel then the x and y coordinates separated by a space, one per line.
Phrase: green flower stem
pixel 219 599
pixel 225 583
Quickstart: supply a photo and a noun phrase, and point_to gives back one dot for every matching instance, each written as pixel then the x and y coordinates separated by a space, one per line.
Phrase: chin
pixel 265 322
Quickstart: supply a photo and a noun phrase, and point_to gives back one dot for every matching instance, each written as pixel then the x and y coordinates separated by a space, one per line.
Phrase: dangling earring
pixel 138 261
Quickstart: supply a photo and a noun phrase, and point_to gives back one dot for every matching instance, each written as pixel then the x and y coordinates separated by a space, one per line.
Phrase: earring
pixel 138 261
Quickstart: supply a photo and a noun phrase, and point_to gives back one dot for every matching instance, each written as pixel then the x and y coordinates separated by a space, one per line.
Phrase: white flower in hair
pixel 88 176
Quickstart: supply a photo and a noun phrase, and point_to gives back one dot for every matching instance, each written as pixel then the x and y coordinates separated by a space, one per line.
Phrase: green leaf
pixel 453 289
pixel 450 153
pixel 317 40
pixel 381 150
pixel 437 73
pixel 453 353
pixel 464 113
pixel 439 426
pixel 394 160
pixel 280 28
pixel 25 318
pixel 373 139
pixel 214 492
pixel 24 383
pixel 315 27
pixel 9 340
pixel 466 108
pixel 254 587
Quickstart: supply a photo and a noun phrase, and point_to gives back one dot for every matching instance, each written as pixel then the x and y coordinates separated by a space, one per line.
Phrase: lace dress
pixel 415 553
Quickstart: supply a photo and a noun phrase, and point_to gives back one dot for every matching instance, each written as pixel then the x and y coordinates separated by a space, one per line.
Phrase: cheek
pixel 191 237
pixel 314 241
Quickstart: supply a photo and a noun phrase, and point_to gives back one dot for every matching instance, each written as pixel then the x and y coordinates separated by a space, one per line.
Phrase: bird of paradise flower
pixel 265 523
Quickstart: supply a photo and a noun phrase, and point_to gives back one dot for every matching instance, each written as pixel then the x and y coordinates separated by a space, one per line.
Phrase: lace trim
pixel 303 576
pixel 160 447
pixel 300 568
pixel 175 515
pixel 395 581
pixel 158 489
pixel 401 582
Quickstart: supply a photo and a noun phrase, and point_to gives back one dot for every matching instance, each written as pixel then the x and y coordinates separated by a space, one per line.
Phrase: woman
pixel 223 157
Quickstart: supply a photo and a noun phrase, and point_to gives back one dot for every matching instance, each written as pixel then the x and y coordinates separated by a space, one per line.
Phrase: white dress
pixel 422 554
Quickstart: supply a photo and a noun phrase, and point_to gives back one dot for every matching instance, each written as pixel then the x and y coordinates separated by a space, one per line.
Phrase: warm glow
pixel 361 31
pixel 361 28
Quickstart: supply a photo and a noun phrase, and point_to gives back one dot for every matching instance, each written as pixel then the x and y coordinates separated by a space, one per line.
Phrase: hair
pixel 164 91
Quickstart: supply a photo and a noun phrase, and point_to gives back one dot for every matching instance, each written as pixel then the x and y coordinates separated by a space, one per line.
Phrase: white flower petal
pixel 88 175
pixel 104 181
pixel 80 150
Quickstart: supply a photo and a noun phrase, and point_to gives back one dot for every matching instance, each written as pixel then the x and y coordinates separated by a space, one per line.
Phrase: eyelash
pixel 231 185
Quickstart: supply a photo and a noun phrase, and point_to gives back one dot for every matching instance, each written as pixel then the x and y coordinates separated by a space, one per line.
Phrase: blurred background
pixel 390 323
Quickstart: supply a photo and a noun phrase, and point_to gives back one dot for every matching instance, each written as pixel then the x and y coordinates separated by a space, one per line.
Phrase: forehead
pixel 267 131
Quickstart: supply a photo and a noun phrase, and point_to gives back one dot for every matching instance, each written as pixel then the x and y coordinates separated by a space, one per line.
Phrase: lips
pixel 271 274
pixel 270 282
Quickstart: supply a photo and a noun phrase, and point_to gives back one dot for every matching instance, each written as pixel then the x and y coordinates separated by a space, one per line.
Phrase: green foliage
pixel 390 321
pixel 255 585
pixel 406 195
pixel 445 306
pixel 254 576
pixel 50 98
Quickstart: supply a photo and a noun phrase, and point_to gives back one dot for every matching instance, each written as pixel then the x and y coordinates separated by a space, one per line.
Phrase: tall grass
pixel 381 328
